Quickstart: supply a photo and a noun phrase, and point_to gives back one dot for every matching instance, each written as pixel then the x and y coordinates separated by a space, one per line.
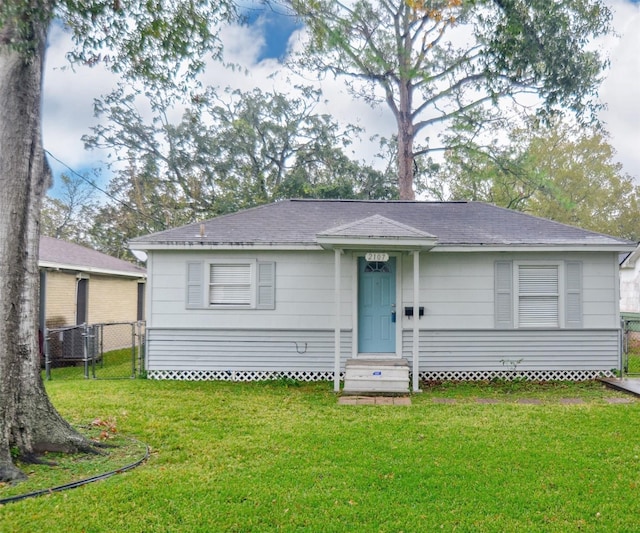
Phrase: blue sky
pixel 277 30
pixel 259 47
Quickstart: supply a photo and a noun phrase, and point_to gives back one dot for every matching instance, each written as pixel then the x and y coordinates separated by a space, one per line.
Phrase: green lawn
pixel 633 362
pixel 268 457
pixel 114 364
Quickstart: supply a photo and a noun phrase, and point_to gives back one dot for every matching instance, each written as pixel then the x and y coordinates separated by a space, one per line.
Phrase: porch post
pixel 336 335
pixel 416 320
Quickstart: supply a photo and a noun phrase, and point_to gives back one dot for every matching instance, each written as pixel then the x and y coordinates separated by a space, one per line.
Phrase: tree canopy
pixel 229 150
pixel 435 63
pixel 562 171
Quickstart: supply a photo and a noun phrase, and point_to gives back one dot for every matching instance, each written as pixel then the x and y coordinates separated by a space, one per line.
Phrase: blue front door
pixel 376 306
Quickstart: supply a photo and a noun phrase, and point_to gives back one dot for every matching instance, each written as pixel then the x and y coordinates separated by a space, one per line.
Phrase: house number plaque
pixel 377 256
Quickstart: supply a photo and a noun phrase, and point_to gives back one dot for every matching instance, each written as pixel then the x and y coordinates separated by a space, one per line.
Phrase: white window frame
pixel 261 287
pixel 559 295
pixel 249 283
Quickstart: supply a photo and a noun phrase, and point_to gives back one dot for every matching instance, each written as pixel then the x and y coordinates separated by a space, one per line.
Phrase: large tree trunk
pixel 405 159
pixel 404 113
pixel 28 421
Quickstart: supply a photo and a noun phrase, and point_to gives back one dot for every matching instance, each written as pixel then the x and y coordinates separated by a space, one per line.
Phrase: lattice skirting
pixel 240 375
pixel 531 375
pixel 445 375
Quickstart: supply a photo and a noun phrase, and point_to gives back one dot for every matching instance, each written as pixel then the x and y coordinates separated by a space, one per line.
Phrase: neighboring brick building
pixel 79 285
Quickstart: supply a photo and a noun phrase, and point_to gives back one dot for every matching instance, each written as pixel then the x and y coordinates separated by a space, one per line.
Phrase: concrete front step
pixel 390 376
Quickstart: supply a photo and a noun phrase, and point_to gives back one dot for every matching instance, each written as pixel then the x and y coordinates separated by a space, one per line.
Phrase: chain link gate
pixel 99 351
pixel 631 347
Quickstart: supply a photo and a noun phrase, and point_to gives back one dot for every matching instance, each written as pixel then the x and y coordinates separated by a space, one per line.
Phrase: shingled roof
pixel 63 255
pixel 300 222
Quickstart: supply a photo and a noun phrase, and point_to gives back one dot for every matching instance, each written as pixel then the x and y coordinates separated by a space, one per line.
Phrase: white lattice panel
pixel 246 376
pixel 533 375
pixel 453 375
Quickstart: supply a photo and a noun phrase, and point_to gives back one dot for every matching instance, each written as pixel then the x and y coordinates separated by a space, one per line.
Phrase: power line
pixel 106 193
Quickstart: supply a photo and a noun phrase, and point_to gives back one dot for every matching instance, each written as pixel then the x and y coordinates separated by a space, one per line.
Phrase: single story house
pixel 381 295
pixel 79 285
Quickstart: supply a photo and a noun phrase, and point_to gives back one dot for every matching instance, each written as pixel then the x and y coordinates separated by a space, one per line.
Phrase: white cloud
pixel 68 104
pixel 68 95
pixel 620 90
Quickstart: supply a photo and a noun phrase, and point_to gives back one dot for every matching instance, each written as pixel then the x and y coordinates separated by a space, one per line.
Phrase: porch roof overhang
pixel 376 232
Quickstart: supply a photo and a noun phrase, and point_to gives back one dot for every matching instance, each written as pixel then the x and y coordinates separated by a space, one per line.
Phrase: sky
pixel 69 93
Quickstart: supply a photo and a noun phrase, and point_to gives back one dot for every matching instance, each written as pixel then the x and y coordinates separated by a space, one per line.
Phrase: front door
pixel 376 306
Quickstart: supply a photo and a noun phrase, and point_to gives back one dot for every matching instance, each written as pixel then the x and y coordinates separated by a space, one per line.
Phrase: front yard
pixel 277 457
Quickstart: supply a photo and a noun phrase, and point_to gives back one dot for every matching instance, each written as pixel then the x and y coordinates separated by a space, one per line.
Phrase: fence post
pixel 85 350
pixel 94 355
pixel 141 347
pixel 101 345
pixel 133 349
pixel 45 347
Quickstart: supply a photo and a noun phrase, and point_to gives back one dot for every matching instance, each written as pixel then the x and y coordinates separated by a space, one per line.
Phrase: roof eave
pixel 388 243
pixel 91 270
pixel 221 246
pixel 534 247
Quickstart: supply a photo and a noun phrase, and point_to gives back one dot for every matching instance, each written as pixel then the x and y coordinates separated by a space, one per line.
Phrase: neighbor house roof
pixel 62 255
pixel 305 223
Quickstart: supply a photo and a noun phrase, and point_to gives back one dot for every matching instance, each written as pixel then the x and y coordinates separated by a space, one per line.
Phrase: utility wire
pixel 106 193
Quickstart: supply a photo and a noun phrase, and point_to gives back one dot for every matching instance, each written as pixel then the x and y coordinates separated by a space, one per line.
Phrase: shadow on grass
pixel 75 470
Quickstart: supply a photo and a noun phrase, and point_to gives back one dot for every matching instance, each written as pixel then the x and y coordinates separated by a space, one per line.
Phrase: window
pixel 230 284
pixel 538 295
pixel 377 266
pixel 248 285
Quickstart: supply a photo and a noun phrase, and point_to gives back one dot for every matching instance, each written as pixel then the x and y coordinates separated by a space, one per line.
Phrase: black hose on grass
pixel 76 484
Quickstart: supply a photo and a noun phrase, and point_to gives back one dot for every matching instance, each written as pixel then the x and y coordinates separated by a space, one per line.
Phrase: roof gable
pixel 376 230
pixel 375 226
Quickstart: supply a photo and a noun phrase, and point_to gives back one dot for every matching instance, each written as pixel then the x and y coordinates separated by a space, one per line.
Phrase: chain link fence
pixel 631 347
pixel 98 351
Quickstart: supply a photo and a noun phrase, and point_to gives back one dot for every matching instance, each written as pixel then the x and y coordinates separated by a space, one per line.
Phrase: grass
pixel 633 362
pixel 114 364
pixel 271 457
pixel 60 469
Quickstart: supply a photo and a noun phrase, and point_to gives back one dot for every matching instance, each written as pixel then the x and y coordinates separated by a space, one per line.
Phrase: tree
pixel 149 41
pixel 228 151
pixel 68 215
pixel 584 184
pixel 562 172
pixel 437 62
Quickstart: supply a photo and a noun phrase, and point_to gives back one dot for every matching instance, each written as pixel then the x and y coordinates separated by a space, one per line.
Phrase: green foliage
pixel 227 152
pixel 527 37
pixel 433 63
pixel 263 457
pixel 21 22
pixel 559 171
pixel 158 41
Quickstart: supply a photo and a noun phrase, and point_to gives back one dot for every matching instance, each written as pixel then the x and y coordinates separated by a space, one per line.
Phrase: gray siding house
pixel 378 296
